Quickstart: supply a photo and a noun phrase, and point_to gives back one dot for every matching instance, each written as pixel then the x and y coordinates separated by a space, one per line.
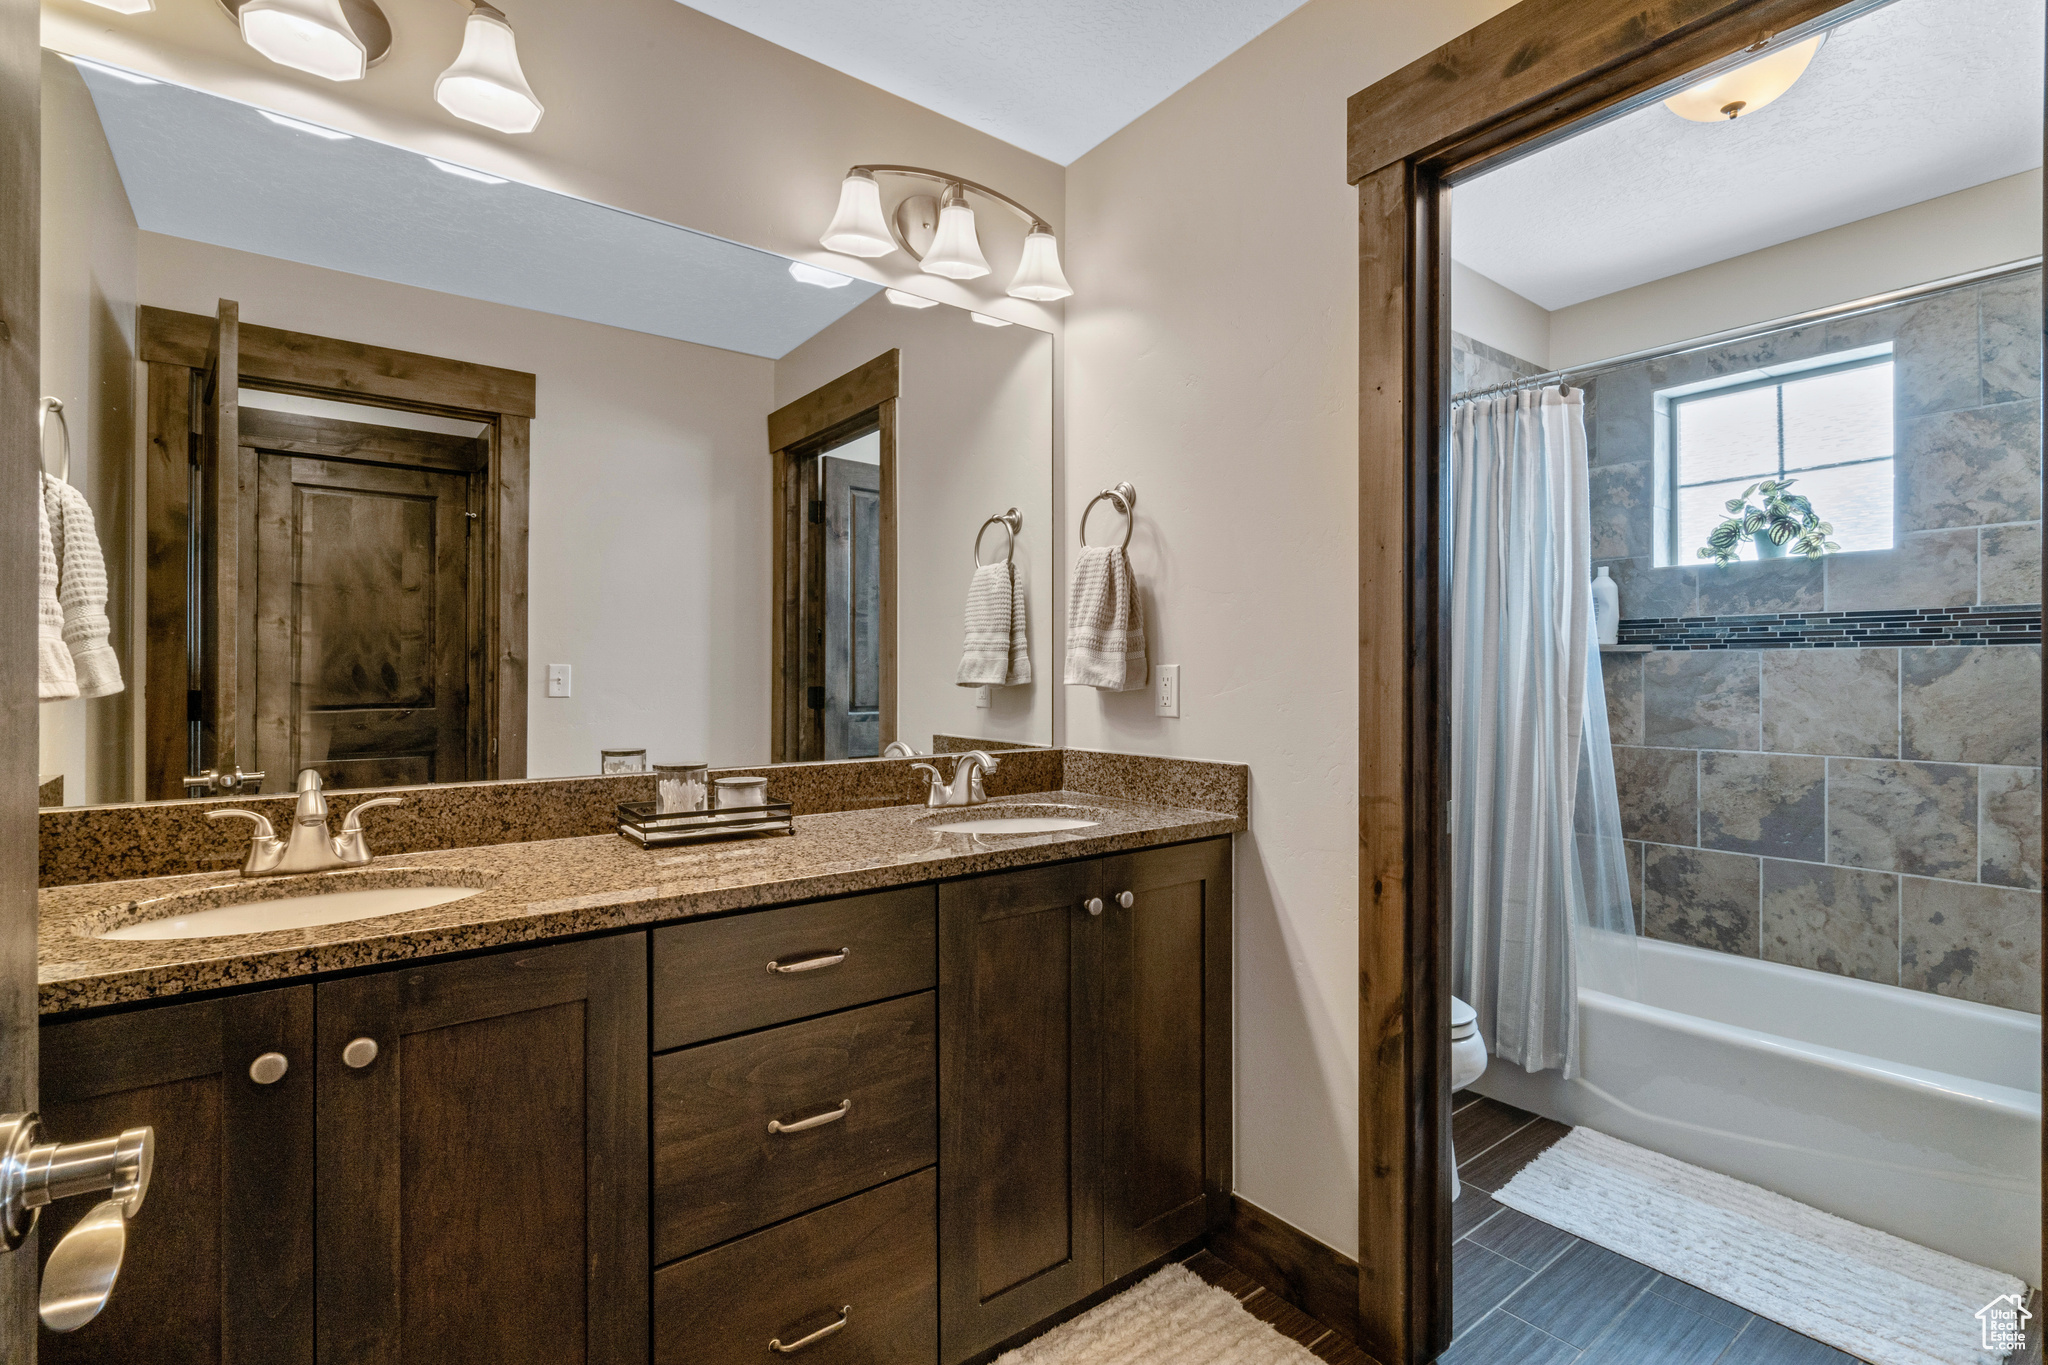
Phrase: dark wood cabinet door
pixel 1166 1049
pixel 1019 1094
pixel 219 1267
pixel 483 1178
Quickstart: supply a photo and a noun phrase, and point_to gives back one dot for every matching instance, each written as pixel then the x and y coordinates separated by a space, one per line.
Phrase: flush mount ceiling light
pixel 1747 88
pixel 337 39
pixel 804 273
pixel 987 321
pixel 940 234
pixel 903 300
pixel 486 84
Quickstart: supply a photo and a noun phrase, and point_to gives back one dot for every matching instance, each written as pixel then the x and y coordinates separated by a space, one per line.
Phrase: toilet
pixel 1468 1063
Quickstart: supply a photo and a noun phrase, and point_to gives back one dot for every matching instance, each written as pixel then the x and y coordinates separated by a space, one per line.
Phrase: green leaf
pixel 1833 546
pixel 1734 504
pixel 1747 491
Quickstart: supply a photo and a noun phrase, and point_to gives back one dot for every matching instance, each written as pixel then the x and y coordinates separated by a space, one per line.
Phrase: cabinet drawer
pixel 720 1170
pixel 872 1259
pixel 714 978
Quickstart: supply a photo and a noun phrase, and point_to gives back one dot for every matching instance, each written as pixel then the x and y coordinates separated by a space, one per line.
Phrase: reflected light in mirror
pixel 858 228
pixel 307 35
pixel 804 273
pixel 1746 89
pixel 987 321
pixel 132 77
pixel 956 249
pixel 1039 277
pixel 466 173
pixel 315 129
pixel 486 84
pixel 903 300
pixel 127 6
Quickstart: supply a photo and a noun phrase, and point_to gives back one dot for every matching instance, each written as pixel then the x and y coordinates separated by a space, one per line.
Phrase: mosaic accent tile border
pixel 1840 629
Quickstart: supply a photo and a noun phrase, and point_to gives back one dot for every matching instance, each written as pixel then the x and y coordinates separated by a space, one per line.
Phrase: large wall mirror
pixel 408 473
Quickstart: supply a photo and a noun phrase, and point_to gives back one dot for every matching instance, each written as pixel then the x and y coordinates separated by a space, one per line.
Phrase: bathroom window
pixel 1830 429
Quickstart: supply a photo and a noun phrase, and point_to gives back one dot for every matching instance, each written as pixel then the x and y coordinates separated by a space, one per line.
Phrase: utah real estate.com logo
pixel 2005 1323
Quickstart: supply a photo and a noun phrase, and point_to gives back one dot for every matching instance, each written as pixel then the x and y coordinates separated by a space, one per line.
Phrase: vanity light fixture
pixel 1747 88
pixel 466 173
pixel 941 234
pixel 314 36
pixel 296 126
pixel 805 273
pixel 486 84
pixel 903 300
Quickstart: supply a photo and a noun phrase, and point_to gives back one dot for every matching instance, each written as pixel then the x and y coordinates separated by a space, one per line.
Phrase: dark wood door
pixel 363 630
pixel 1166 1049
pixel 1019 1102
pixel 852 547
pixel 482 1191
pixel 222 474
pixel 219 1267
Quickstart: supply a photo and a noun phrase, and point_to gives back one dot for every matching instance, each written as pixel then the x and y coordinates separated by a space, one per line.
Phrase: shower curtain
pixel 1539 884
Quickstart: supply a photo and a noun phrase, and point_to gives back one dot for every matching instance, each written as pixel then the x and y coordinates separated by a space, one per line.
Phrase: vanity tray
pixel 639 824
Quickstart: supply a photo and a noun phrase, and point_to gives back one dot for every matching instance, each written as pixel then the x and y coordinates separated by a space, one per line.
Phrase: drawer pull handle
pixel 812 963
pixel 775 1343
pixel 814 1121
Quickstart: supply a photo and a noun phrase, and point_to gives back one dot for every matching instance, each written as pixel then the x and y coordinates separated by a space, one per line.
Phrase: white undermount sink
pixel 1015 819
pixel 289 912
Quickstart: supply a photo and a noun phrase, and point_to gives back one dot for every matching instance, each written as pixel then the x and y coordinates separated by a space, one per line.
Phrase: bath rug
pixel 1171 1318
pixel 1866 1292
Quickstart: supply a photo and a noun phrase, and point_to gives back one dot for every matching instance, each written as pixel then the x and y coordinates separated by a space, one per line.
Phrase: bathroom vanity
pixel 667 1122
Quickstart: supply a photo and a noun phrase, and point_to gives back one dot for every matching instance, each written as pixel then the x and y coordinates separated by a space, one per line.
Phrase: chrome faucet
pixel 965 788
pixel 896 748
pixel 309 848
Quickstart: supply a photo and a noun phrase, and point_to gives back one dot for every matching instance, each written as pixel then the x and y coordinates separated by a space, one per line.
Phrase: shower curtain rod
pixel 1829 314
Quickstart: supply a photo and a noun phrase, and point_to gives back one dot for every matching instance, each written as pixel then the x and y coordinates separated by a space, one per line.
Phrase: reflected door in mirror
pixel 852 547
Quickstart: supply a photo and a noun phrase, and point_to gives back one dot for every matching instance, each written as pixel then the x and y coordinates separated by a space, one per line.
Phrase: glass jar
pixel 742 791
pixel 679 787
pixel 622 760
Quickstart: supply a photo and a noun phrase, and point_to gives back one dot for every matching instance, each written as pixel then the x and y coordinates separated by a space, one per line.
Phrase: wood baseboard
pixel 1311 1275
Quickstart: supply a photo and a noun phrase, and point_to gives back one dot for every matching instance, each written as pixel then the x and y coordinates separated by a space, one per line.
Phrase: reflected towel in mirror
pixel 56 680
pixel 997 652
pixel 81 589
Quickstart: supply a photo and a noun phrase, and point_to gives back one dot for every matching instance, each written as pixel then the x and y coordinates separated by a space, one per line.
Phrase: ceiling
pixel 1054 77
pixel 1913 101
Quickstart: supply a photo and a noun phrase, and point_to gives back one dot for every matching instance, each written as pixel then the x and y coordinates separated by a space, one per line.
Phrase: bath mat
pixel 1171 1318
pixel 1866 1292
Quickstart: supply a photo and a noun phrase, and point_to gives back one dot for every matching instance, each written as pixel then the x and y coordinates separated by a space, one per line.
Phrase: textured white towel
pixel 56 679
pixel 1105 622
pixel 997 651
pixel 81 589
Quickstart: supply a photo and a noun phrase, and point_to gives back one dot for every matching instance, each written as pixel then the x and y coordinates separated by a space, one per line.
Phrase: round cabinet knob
pixel 1126 899
pixel 360 1052
pixel 1095 905
pixel 269 1069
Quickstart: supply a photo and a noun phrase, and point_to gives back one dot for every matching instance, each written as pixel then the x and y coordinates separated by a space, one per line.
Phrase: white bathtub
pixel 1897 1109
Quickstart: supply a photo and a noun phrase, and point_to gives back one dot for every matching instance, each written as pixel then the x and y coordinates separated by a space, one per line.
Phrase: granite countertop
pixel 554 888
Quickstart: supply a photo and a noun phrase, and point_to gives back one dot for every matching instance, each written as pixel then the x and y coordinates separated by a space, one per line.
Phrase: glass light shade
pixel 306 35
pixel 987 321
pixel 127 6
pixel 1746 89
pixel 956 250
pixel 486 84
pixel 858 228
pixel 1039 277
pixel 804 273
pixel 903 300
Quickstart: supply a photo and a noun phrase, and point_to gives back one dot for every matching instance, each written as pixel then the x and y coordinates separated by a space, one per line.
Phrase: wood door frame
pixel 1530 75
pixel 174 345
pixel 864 397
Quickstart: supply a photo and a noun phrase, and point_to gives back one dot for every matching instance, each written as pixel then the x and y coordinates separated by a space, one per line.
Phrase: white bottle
pixel 1606 607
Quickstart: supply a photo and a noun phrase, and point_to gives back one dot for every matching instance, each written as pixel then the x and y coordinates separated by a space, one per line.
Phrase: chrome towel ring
pixel 1011 521
pixel 1125 499
pixel 44 410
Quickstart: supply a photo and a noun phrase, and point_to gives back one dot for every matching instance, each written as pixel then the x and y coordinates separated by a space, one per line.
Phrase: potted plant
pixel 1785 521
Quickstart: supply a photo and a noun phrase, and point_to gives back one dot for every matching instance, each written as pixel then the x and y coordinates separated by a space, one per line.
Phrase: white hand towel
pixel 997 651
pixel 82 590
pixel 56 679
pixel 1105 622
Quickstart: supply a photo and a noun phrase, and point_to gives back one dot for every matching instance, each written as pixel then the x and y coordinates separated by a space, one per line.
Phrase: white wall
pixel 1489 311
pixel 974 430
pixel 648 566
pixel 1212 349
pixel 88 360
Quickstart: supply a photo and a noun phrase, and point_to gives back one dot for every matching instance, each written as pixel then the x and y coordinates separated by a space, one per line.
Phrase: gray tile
pixel 1925 569
pixel 1472 1208
pixel 1764 1342
pixel 1832 919
pixel 1580 1293
pixel 1979 943
pixel 1646 592
pixel 1623 416
pixel 1502 1337
pixel 2009 568
pixel 1622 675
pixel 1903 817
pixel 2009 318
pixel 1971 703
pixel 2009 827
pixel 1741 356
pixel 1633 852
pixel 1620 497
pixel 1702 898
pixel 1659 794
pixel 1934 350
pixel 1700 699
pixel 1526 1241
pixel 1480 1279
pixel 1656 1331
pixel 1973 468
pixel 1773 804
pixel 1699 1301
pixel 1831 701
pixel 1761 586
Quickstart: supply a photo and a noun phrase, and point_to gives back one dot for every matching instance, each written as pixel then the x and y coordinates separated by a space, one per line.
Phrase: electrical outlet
pixel 981 697
pixel 1166 690
pixel 558 680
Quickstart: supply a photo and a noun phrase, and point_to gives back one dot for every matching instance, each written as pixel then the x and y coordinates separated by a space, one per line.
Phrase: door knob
pixel 269 1069
pixel 1126 899
pixel 1093 905
pixel 82 1269
pixel 360 1052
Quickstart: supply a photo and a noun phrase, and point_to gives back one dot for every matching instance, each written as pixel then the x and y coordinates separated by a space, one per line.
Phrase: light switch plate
pixel 1166 690
pixel 558 680
pixel 981 697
